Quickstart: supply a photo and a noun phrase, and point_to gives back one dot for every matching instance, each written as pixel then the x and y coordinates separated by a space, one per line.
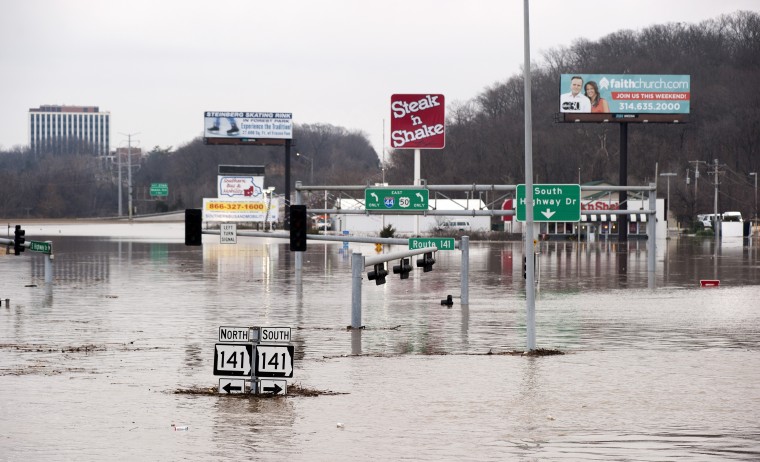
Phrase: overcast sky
pixel 157 65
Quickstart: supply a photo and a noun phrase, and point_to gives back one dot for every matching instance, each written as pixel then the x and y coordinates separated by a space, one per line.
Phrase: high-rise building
pixel 59 129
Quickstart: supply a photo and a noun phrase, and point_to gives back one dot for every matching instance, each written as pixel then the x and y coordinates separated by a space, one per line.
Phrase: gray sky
pixel 157 65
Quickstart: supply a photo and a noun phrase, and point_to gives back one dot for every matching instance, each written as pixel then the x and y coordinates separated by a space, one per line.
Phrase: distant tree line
pixel 484 137
pixel 76 183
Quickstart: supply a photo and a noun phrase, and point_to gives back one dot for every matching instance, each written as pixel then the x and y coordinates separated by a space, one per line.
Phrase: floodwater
pixel 654 368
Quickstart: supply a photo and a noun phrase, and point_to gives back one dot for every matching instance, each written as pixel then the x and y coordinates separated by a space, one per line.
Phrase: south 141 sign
pixel 551 202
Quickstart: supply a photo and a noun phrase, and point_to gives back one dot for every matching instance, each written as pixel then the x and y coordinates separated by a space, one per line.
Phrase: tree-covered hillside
pixel 485 136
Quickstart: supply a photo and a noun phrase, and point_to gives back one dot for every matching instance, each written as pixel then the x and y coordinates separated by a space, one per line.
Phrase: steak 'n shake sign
pixel 418 121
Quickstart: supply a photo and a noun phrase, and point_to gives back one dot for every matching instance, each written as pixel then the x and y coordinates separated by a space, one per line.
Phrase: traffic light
pixel 426 262
pixel 298 228
pixel 404 268
pixel 378 274
pixel 193 227
pixel 18 240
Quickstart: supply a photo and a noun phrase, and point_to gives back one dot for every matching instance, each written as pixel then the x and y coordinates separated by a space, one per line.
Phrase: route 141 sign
pixel 234 359
pixel 274 361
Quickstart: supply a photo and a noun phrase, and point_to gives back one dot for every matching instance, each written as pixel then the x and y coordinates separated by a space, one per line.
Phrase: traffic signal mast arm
pixel 372 261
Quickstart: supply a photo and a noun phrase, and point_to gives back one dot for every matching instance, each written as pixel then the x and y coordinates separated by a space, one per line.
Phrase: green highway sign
pixel 396 199
pixel 159 189
pixel 44 247
pixel 551 202
pixel 442 243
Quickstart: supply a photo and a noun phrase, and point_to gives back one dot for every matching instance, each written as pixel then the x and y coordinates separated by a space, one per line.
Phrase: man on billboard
pixel 575 101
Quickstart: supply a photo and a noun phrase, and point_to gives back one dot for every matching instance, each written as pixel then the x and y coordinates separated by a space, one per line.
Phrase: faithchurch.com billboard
pixel 625 94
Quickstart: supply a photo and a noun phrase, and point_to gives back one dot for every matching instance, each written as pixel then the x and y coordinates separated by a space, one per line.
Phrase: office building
pixel 66 129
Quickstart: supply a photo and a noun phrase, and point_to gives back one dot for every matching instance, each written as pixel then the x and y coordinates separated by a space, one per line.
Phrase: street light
pixel 311 161
pixel 667 175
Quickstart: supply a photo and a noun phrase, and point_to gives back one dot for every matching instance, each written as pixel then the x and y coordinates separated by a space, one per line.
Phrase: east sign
pixel 418 121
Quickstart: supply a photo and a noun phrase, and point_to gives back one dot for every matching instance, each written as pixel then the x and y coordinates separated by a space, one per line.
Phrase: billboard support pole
pixel 623 198
pixel 287 184
pixel 417 177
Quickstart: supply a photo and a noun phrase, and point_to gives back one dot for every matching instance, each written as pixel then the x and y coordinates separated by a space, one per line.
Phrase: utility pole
pixel 129 173
pixel 118 155
pixel 755 175
pixel 716 221
pixel 696 178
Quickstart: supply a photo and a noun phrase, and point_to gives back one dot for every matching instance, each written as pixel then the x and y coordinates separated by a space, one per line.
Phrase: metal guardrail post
pixel 357 268
pixel 464 246
pixel 49 265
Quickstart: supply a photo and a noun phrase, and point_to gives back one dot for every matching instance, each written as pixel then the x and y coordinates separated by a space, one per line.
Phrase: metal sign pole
pixel 357 267
pixel 464 246
pixel 417 177
pixel 530 289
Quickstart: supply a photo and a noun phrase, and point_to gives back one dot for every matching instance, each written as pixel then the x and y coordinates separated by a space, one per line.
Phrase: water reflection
pixel 418 382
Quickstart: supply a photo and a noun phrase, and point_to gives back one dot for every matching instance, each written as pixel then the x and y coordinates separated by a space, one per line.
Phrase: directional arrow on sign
pixel 548 213
pixel 229 388
pixel 551 202
pixel 272 387
pixel 274 390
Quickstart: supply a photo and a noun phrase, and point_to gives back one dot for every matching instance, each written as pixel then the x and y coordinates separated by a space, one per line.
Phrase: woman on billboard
pixel 598 104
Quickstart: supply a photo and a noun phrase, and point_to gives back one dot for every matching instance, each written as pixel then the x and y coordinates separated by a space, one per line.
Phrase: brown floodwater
pixel 99 364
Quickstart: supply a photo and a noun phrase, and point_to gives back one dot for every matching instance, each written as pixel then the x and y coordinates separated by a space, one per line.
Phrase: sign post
pixel 252 366
pixel 418 121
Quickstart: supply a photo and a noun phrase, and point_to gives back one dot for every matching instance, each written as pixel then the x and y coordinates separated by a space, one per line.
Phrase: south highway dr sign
pixel 551 202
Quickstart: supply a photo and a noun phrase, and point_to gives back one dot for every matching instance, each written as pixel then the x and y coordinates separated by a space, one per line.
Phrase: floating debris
pixel 293 390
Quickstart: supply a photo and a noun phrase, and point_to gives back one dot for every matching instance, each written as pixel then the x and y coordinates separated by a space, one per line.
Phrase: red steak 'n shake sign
pixel 418 122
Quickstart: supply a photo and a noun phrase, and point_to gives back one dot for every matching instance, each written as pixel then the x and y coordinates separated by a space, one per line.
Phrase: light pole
pixel 311 161
pixel 755 175
pixel 667 215
pixel 129 172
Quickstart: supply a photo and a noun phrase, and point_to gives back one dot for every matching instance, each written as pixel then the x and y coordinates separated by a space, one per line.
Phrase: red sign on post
pixel 507 205
pixel 418 121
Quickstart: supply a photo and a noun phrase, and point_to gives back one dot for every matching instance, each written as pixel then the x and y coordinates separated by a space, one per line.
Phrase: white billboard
pixel 236 210
pixel 243 186
pixel 248 125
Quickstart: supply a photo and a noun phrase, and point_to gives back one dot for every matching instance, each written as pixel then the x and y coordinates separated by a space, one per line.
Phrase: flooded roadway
pixel 90 367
